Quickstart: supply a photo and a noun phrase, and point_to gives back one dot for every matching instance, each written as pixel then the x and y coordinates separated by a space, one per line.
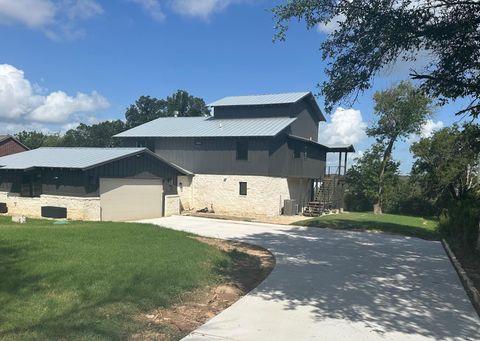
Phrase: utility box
pixel 290 207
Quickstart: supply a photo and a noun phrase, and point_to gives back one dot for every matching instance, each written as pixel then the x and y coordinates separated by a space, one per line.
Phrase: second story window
pixel 242 150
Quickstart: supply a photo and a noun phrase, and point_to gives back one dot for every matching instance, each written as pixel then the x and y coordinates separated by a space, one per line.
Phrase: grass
pixel 391 223
pixel 91 281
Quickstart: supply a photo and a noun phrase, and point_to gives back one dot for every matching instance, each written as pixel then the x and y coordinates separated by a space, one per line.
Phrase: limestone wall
pixel 265 195
pixel 172 205
pixel 185 191
pixel 77 208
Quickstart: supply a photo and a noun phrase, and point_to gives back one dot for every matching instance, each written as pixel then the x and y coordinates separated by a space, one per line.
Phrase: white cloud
pixel 199 8
pixel 33 13
pixel 56 18
pixel 152 8
pixel 430 127
pixel 19 102
pixel 82 9
pixel 427 130
pixel 332 25
pixel 346 127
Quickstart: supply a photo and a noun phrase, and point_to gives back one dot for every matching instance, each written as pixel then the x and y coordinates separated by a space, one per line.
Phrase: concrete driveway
pixel 337 285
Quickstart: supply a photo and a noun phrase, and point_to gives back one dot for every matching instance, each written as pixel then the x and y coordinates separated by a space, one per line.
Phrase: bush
pixel 460 222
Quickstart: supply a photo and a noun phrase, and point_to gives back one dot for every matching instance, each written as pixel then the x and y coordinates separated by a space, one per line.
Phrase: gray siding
pixel 267 156
pixel 249 111
pixel 75 182
pixel 310 164
pixel 215 155
pixel 306 124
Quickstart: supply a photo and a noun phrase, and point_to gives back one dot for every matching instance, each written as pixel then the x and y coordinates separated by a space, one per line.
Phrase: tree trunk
pixel 377 208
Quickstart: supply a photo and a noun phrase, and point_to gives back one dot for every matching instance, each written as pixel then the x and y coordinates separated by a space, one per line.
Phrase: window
pixel 296 153
pixel 242 150
pixel 31 185
pixel 243 188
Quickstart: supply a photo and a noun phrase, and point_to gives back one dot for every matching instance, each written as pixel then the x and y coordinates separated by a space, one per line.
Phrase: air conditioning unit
pixel 290 207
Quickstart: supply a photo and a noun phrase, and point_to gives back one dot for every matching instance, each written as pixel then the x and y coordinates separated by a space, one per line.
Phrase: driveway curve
pixel 340 285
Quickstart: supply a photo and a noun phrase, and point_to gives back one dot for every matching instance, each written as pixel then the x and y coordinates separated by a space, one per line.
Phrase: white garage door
pixel 130 199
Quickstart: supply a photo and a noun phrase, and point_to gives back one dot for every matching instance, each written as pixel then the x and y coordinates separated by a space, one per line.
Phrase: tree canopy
pixel 447 163
pixel 180 104
pixel 401 112
pixel 145 109
pixel 371 35
pixel 363 180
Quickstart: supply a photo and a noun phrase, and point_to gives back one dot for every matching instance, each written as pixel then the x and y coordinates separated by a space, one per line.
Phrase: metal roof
pixel 284 98
pixel 210 127
pixel 77 158
pixel 329 148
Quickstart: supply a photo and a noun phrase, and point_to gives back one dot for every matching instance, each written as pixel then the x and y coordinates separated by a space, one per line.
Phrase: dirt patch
pixel 470 263
pixel 251 265
pixel 279 220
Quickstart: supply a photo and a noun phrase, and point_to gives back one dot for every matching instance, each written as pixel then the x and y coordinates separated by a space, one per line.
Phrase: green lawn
pixel 92 280
pixel 398 224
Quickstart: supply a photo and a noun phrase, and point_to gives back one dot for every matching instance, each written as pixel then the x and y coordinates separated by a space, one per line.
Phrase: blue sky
pixel 87 60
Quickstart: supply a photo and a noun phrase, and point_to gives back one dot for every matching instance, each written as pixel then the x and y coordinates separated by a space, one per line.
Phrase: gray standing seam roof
pixel 209 127
pixel 284 98
pixel 76 158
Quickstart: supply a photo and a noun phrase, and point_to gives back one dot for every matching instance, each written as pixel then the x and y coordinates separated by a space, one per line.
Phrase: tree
pixel 363 182
pixel 447 163
pixel 96 135
pixel 183 104
pixel 401 111
pixel 180 104
pixel 367 36
pixel 447 168
pixel 36 139
pixel 144 110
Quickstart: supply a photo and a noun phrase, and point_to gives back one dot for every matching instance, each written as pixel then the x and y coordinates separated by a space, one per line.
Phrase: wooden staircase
pixel 324 198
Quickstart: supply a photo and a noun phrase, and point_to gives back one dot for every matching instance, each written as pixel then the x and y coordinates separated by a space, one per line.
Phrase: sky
pixel 63 62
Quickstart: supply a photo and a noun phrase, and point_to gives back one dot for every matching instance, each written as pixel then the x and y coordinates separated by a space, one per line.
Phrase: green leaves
pixel 447 163
pixel 180 104
pixel 401 111
pixel 377 33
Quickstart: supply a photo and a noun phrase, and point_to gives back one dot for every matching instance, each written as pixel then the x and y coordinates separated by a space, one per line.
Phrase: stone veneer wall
pixel 172 205
pixel 77 208
pixel 265 195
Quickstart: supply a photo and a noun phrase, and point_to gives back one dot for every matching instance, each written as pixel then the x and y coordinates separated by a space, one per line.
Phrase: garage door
pixel 131 199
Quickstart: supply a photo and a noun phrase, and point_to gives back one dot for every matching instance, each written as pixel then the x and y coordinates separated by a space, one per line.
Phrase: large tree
pixel 447 163
pixel 363 181
pixel 35 139
pixel 180 104
pixel 401 112
pixel 447 167
pixel 369 35
pixel 95 135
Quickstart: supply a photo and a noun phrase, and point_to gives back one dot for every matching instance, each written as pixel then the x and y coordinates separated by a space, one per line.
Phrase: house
pixel 114 184
pixel 10 145
pixel 252 155
pixel 257 155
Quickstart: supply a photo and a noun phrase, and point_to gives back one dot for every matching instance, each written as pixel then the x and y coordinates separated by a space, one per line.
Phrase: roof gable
pixel 73 158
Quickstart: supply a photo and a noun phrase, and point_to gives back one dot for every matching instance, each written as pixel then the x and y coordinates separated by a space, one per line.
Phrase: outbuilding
pixel 110 184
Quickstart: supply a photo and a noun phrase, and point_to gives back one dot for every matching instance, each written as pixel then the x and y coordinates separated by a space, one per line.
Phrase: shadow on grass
pixel 372 225
pixel 246 271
